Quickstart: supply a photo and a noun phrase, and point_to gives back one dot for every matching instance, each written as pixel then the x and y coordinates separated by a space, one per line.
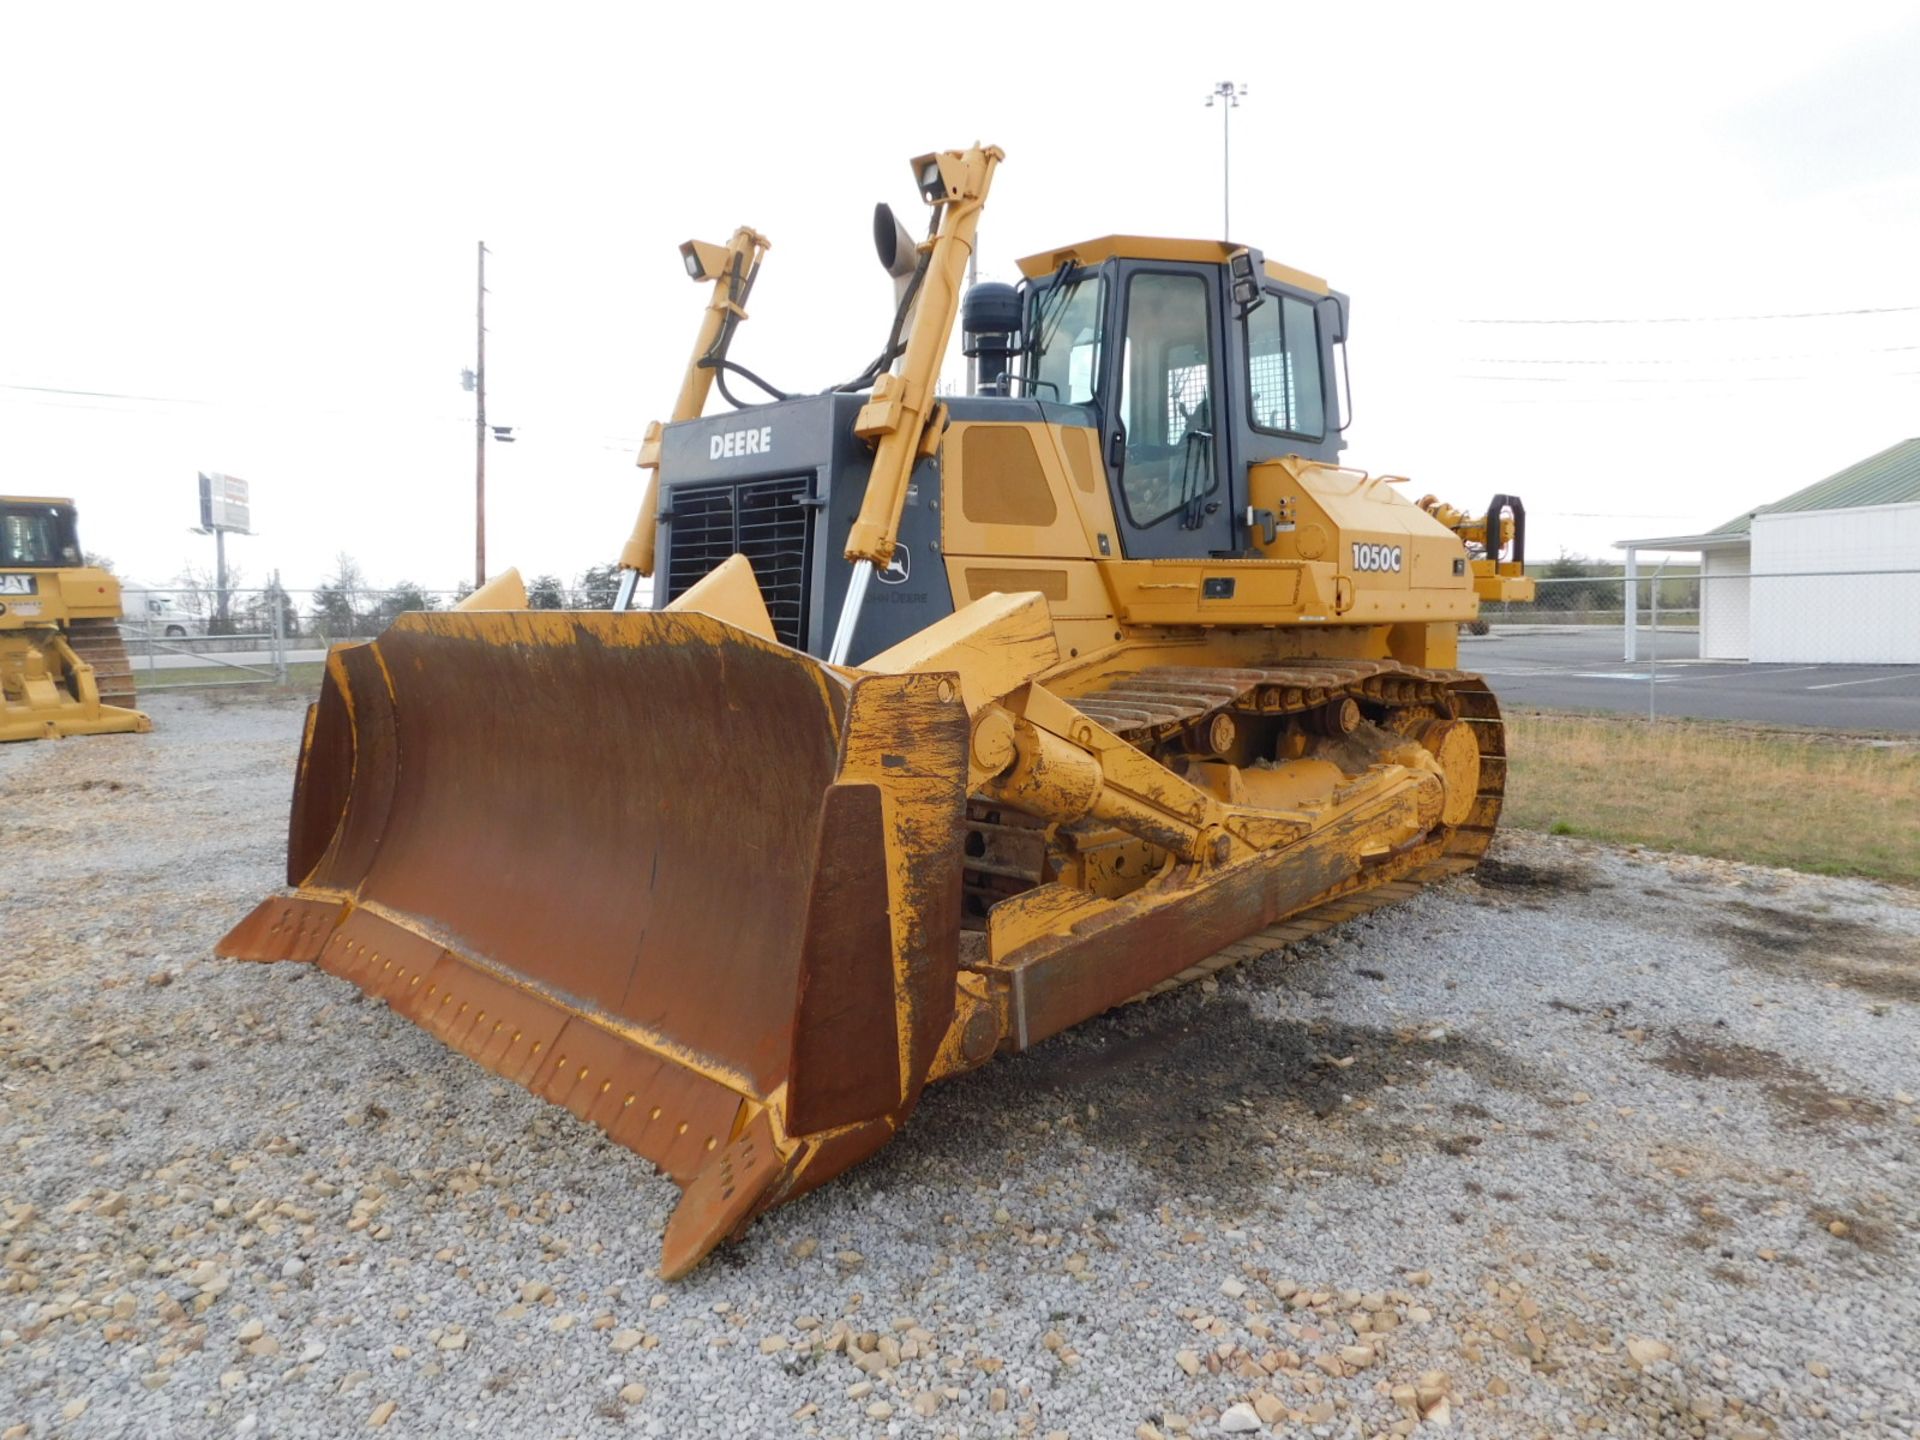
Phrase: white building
pixel 1829 575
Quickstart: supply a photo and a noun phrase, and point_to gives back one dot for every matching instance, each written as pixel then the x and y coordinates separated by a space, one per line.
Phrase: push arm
pixel 897 415
pixel 731 269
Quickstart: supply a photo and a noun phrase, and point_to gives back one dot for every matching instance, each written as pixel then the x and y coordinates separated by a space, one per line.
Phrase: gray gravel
pixel 1597 1141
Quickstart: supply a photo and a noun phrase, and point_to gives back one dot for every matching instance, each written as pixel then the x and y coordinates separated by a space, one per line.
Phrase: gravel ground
pixel 1598 1141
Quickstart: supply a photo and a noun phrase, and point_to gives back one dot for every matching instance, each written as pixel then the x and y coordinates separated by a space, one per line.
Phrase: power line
pixel 1691 360
pixel 32 395
pixel 255 405
pixel 72 405
pixel 128 405
pixel 108 395
pixel 1629 379
pixel 1698 319
pixel 1665 379
pixel 1619 399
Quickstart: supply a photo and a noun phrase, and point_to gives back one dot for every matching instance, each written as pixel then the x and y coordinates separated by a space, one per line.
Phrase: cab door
pixel 1167 428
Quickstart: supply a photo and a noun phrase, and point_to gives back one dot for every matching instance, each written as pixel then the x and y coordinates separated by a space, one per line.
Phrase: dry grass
pixel 302 676
pixel 1834 805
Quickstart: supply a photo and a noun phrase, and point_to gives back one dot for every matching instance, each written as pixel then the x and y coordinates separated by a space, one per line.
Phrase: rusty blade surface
pixel 688 883
pixel 619 808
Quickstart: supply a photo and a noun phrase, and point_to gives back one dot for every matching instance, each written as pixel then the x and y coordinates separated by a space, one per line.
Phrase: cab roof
pixel 1150 247
pixel 35 500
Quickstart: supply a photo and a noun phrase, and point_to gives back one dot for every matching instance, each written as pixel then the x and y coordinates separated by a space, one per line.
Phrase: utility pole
pixel 480 431
pixel 1228 94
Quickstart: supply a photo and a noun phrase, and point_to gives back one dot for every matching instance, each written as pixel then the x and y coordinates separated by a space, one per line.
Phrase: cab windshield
pixel 38 536
pixel 1066 326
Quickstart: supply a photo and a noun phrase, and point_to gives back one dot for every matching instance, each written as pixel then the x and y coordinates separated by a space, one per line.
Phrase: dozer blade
pixel 693 885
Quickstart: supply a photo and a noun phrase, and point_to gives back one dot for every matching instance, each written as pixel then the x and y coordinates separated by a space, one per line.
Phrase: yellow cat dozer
pixel 955 720
pixel 63 666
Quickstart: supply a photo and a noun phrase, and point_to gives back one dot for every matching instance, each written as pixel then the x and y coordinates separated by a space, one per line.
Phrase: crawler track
pixel 98 642
pixel 1461 850
pixel 1155 706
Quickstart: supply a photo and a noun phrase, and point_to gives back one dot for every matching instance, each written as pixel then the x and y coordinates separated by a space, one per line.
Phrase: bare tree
pixel 340 603
pixel 193 592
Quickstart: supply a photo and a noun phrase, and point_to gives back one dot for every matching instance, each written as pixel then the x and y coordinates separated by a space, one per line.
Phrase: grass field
pixel 1833 805
pixel 299 677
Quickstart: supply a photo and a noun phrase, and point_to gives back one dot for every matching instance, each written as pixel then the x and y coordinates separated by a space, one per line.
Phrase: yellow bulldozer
pixel 63 666
pixel 957 718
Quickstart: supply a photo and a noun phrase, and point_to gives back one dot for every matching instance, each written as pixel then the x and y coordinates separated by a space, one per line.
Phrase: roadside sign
pixel 224 503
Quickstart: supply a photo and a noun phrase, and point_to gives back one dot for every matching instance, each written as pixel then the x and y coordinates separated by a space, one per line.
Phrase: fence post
pixel 279 632
pixel 1632 602
pixel 1653 635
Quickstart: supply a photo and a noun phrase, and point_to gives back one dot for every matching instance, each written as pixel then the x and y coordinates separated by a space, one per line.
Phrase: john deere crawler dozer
pixel 63 666
pixel 957 720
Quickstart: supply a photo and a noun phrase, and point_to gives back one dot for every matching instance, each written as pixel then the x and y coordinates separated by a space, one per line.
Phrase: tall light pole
pixel 475 382
pixel 1228 95
pixel 480 431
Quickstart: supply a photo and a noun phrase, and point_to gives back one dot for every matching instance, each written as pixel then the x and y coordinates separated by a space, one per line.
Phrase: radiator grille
pixel 765 520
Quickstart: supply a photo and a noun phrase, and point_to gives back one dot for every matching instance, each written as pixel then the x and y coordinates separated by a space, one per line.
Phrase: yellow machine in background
pixel 63 666
pixel 958 719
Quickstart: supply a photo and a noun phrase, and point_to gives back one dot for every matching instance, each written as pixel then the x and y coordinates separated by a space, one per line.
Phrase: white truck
pixel 154 612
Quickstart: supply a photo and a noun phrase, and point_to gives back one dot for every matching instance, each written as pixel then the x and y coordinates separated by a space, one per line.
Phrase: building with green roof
pixel 1829 575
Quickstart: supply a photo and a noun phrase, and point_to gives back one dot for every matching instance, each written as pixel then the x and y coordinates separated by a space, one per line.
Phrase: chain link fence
pixel 191 637
pixel 1800 617
pixel 1613 642
pixel 196 638
pixel 181 638
pixel 1600 600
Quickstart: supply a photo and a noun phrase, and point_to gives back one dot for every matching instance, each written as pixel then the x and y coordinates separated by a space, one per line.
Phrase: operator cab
pixel 38 534
pixel 1171 365
pixel 1193 359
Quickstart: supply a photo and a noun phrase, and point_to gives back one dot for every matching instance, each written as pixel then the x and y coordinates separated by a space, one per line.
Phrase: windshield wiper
pixel 1053 310
pixel 1196 464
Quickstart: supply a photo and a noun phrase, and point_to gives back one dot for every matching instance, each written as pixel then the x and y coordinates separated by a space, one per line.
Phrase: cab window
pixel 1283 368
pixel 1166 398
pixel 38 535
pixel 1067 335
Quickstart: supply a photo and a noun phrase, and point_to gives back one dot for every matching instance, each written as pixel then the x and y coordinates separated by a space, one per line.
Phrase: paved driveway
pixel 1582 670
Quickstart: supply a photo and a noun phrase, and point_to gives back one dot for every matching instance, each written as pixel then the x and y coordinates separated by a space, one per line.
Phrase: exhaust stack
pixel 899 257
pixel 894 245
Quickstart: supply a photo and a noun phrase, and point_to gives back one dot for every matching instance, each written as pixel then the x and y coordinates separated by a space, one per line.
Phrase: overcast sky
pixel 262 223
